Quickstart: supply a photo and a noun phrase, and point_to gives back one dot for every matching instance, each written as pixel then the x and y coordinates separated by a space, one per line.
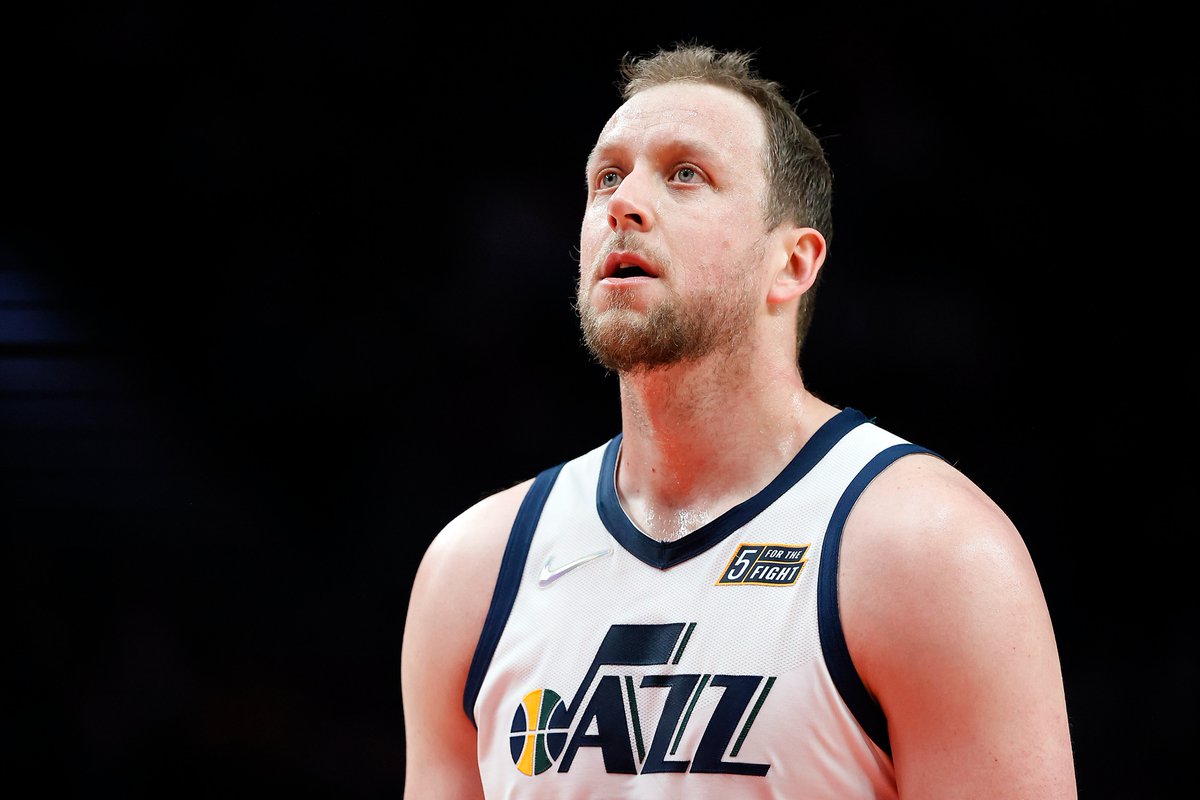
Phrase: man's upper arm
pixel 948 626
pixel 447 606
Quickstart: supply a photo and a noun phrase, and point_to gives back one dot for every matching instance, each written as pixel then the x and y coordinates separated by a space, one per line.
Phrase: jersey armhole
pixel 508 581
pixel 829 620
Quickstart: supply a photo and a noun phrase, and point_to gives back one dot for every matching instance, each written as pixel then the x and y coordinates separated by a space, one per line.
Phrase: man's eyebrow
pixel 675 148
pixel 703 149
pixel 598 151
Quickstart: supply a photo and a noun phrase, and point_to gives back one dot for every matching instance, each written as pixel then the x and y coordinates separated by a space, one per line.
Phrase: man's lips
pixel 625 265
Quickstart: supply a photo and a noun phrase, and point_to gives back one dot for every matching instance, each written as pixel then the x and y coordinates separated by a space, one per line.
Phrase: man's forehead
pixel 688 110
pixel 631 120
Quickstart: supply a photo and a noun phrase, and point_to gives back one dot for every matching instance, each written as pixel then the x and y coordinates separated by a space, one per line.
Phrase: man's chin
pixel 631 348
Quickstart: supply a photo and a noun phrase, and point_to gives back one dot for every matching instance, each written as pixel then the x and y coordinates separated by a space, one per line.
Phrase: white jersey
pixel 612 665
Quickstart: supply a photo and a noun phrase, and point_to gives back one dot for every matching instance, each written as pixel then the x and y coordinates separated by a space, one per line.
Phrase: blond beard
pixel 674 331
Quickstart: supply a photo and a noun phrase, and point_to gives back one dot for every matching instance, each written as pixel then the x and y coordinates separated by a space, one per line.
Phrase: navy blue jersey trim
pixel 667 554
pixel 508 581
pixel 829 620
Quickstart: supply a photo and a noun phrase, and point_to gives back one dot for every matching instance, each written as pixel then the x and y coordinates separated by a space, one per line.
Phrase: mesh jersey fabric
pixel 615 666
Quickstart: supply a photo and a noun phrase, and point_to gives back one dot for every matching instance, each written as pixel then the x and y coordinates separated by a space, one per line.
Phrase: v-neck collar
pixel 667 554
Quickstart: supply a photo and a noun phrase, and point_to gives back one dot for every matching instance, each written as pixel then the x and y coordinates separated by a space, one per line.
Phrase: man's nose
pixel 629 207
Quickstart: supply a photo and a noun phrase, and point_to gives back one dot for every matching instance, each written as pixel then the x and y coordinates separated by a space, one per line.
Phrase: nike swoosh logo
pixel 550 574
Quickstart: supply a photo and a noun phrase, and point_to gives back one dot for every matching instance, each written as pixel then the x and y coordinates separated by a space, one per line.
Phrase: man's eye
pixel 609 180
pixel 687 175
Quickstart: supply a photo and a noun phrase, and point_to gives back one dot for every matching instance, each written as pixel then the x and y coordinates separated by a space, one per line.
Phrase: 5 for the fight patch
pixel 764 565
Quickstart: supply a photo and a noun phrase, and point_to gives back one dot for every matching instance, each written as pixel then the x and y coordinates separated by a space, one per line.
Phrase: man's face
pixel 673 241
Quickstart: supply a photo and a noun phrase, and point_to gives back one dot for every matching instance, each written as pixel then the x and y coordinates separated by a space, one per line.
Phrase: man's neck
pixel 695 445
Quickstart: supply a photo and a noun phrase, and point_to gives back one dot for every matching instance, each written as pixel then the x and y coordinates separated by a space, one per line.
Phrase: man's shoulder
pixel 481 527
pixel 925 549
pixel 923 509
pixel 457 571
pixel 947 627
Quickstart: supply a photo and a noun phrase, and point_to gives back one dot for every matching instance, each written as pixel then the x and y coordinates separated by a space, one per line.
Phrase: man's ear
pixel 803 251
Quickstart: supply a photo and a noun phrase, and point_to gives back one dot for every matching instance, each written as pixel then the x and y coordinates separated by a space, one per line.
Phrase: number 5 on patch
pixel 764 565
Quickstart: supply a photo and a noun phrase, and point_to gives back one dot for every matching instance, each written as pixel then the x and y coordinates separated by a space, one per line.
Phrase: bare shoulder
pixel 923 527
pixel 473 541
pixel 447 606
pixel 457 573
pixel 948 627
pixel 924 494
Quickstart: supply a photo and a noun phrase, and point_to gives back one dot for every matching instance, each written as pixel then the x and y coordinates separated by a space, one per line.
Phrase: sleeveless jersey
pixel 612 665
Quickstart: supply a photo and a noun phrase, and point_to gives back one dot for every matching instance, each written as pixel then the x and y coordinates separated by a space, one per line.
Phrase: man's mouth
pixel 627 265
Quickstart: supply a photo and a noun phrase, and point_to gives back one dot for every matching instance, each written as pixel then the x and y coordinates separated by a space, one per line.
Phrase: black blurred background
pixel 283 287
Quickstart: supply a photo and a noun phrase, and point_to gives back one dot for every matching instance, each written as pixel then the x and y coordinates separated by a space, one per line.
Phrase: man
pixel 747 592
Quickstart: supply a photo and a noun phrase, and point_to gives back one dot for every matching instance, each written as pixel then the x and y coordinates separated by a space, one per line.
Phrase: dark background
pixel 283 287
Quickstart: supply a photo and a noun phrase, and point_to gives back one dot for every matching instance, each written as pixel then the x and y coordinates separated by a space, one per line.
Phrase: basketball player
pixel 747 592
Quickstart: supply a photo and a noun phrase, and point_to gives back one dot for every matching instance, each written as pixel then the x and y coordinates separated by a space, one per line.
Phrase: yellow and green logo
pixel 539 731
